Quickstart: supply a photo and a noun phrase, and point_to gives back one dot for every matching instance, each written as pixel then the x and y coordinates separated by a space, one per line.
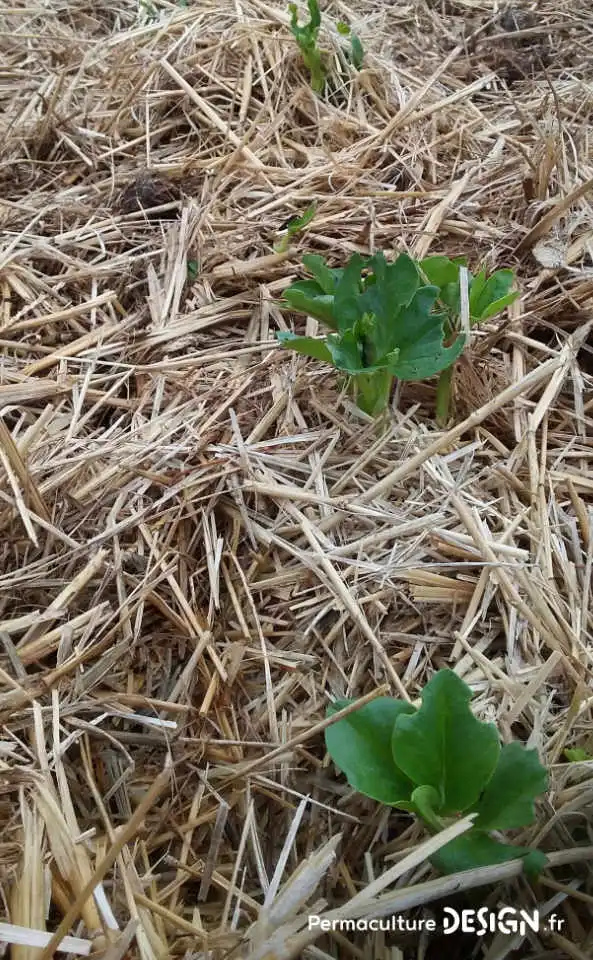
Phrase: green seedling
pixel 294 226
pixel 306 38
pixel 356 53
pixel 440 762
pixel 192 270
pixel 487 296
pixel 390 320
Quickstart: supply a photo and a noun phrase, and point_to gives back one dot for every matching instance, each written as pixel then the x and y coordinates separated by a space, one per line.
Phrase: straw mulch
pixel 203 540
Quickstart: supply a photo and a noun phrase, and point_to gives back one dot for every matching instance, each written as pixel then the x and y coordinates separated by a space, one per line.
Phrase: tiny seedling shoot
pixel 306 38
pixel 440 762
pixel 292 229
pixel 307 35
pixel 392 320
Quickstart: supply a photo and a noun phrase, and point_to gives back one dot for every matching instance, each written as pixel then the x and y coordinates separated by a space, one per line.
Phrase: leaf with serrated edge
pixel 360 745
pixel 443 745
pixel 507 801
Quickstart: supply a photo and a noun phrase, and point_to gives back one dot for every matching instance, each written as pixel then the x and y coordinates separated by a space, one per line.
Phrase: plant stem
pixel 372 391
pixel 444 395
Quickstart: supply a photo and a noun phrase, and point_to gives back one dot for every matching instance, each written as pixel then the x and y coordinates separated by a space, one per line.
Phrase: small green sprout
pixel 294 226
pixel 306 38
pixel 440 762
pixel 192 270
pixel 356 52
pixel 390 320
pixel 488 295
pixel 577 755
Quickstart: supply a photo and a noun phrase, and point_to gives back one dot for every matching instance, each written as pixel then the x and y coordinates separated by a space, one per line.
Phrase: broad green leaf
pixel 343 28
pixel 420 335
pixel 307 346
pixel 443 745
pixel 507 801
pixel 444 274
pixel 307 296
pixel 348 307
pixel 360 745
pixel 479 850
pixel 439 271
pixel 498 305
pixel 394 287
pixel 427 357
pixel 325 276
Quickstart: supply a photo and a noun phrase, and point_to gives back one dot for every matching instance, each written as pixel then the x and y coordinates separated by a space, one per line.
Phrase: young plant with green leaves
pixel 389 320
pixel 440 762
pixel 487 296
pixel 306 36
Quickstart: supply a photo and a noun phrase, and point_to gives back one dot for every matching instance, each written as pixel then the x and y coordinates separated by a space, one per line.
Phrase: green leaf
pixel 498 305
pixel 440 271
pixel 479 850
pixel 444 746
pixel 444 274
pixel 534 863
pixel 307 346
pixel 420 335
pixel 577 755
pixel 346 352
pixel 306 296
pixel 507 801
pixel 315 14
pixel 360 745
pixel 192 269
pixel 394 287
pixel 325 276
pixel 485 292
pixel 298 223
pixel 348 307
pixel 390 300
pixel 343 28
pixel 356 52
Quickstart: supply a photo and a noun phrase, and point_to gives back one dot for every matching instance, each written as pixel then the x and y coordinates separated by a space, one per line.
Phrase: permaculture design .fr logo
pixel 506 920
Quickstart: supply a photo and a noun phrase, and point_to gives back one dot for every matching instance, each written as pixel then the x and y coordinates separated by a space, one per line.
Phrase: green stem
pixel 372 391
pixel 443 403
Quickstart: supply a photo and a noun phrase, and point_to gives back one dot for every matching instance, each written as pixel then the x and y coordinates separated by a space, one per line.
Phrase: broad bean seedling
pixel 440 762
